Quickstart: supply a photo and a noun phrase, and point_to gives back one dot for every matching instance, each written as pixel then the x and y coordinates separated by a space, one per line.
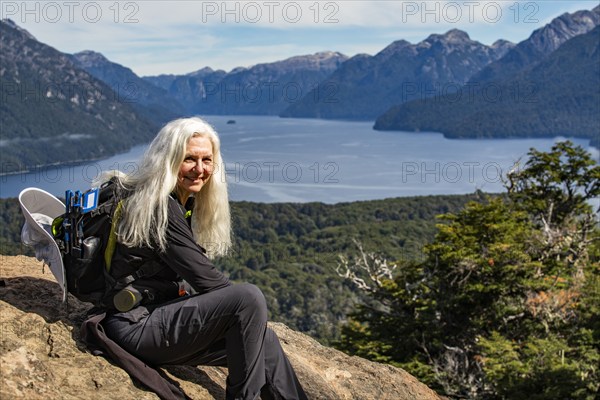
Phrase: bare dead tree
pixel 376 269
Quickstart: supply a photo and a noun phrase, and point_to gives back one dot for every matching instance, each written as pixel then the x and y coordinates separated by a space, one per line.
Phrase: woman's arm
pixel 186 258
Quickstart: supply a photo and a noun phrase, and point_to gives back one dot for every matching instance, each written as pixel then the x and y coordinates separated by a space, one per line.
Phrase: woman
pixel 178 203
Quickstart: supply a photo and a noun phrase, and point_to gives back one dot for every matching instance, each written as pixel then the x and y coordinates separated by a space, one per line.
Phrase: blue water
pixel 269 159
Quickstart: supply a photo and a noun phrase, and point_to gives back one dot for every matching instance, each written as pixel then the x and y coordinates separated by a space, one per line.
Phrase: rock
pixel 42 356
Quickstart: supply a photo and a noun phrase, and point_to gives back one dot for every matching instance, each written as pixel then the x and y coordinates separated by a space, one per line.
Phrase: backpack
pixel 86 236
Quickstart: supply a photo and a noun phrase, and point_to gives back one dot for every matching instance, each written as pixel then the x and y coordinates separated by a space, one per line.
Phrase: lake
pixel 270 159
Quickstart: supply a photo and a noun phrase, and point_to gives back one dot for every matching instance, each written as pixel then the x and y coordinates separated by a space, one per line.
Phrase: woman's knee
pixel 252 294
pixel 251 297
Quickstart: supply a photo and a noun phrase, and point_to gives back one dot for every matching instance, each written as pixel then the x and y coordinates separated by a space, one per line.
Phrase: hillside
pixel 152 102
pixel 556 97
pixel 54 112
pixel 42 356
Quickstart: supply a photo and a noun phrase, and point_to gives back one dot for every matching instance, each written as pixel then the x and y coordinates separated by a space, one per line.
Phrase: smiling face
pixel 196 168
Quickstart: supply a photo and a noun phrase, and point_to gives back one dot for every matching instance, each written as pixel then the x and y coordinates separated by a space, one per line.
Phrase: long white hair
pixel 145 217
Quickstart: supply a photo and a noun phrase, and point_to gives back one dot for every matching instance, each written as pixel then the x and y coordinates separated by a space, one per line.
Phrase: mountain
pixel 542 42
pixel 54 112
pixel 557 96
pixel 264 89
pixel 153 102
pixel 43 357
pixel 365 86
pixel 165 81
pixel 188 89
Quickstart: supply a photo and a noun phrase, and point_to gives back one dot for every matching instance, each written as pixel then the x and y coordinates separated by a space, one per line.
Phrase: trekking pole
pixel 67 220
pixel 79 228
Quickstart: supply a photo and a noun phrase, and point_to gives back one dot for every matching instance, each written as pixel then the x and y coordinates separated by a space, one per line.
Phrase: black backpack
pixel 86 236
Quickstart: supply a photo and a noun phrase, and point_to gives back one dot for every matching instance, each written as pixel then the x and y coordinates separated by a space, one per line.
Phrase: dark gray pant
pixel 226 327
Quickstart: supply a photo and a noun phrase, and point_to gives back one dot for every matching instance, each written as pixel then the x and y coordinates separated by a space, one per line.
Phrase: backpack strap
pixel 147 270
pixel 112 238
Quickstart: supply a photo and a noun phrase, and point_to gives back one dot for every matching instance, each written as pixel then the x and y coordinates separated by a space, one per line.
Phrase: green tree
pixel 506 303
pixel 554 187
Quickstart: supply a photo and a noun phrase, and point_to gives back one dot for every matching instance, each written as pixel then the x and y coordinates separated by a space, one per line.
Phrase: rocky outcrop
pixel 42 356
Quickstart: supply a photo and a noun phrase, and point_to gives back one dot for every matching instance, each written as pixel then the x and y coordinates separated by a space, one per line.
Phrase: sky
pixel 178 37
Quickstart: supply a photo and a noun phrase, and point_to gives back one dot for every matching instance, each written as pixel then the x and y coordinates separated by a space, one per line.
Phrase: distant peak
pixel 89 58
pixel 562 28
pixel 320 60
pixel 10 23
pixel 202 71
pixel 501 43
pixel 238 70
pixel 394 47
pixel 320 56
pixel 452 36
pixel 360 56
pixel 585 14
pixel 457 34
pixel 400 43
pixel 329 54
pixel 90 54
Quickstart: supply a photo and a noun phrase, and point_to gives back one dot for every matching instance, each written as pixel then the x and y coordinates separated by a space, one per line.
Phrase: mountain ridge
pixel 365 86
pixel 262 89
pixel 557 96
pixel 540 43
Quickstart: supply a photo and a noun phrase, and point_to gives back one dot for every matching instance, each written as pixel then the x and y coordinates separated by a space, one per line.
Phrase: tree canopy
pixel 506 303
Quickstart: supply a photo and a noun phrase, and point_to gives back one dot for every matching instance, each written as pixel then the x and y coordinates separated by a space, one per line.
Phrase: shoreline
pixel 445 136
pixel 264 164
pixel 56 164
